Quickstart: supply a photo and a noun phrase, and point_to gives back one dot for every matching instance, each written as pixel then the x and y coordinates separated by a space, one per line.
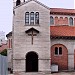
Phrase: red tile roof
pixel 62 11
pixel 68 31
pixel 61 31
pixel 2 47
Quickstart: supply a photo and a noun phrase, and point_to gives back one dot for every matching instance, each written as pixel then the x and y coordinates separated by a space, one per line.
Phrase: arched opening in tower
pixel 18 2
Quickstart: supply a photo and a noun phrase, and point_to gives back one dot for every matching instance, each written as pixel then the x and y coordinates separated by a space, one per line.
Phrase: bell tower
pixel 17 2
pixel 31 38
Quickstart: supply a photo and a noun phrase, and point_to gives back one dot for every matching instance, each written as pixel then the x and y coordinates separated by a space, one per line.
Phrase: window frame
pixel 71 23
pixel 32 18
pixel 18 2
pixel 58 53
pixel 27 18
pixel 51 20
pixel 60 50
pixel 37 18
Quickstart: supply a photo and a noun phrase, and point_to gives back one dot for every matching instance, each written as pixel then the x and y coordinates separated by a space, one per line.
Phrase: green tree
pixel 4 52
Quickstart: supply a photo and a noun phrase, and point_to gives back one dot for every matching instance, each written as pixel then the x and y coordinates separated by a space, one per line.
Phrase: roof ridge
pixel 63 8
pixel 29 1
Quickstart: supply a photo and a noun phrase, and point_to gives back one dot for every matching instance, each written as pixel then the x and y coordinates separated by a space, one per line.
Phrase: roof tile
pixel 62 31
pixel 62 10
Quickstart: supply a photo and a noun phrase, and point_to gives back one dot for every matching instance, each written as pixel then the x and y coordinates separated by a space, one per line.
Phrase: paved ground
pixel 64 73
pixel 61 73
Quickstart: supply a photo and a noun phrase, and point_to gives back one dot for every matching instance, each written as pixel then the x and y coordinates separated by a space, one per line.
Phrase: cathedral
pixel 41 37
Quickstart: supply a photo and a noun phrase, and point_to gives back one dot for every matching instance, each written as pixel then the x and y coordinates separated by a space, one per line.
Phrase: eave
pixel 63 37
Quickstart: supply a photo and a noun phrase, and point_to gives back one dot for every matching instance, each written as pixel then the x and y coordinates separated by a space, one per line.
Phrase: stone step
pixel 33 73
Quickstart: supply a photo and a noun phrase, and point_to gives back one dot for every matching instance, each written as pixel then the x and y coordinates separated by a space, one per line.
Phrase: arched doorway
pixel 59 56
pixel 31 62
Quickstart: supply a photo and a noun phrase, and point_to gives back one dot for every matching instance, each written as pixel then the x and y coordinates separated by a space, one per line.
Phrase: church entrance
pixel 31 62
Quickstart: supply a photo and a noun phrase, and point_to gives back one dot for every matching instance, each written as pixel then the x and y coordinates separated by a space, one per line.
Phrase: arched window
pixel 37 18
pixel 56 50
pixel 60 50
pixel 18 2
pixel 27 18
pixel 71 21
pixel 32 18
pixel 51 20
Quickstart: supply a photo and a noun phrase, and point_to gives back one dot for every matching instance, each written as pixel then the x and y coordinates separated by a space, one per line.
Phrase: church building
pixel 41 37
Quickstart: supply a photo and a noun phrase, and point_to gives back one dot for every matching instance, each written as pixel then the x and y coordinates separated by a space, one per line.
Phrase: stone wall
pixel 22 42
pixel 69 44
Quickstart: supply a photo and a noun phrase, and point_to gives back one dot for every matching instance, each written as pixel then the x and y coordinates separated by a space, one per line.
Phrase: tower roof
pixel 30 1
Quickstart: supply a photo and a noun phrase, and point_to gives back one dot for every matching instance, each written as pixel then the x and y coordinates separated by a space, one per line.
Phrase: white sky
pixel 74 4
pixel 6 7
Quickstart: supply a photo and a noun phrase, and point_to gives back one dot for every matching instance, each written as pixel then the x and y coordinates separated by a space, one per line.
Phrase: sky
pixel 6 9
pixel 74 4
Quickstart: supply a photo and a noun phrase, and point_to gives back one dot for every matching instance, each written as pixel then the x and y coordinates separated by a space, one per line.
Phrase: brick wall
pixel 56 20
pixel 74 21
pixel 66 20
pixel 2 47
pixel 9 43
pixel 61 20
pixel 61 60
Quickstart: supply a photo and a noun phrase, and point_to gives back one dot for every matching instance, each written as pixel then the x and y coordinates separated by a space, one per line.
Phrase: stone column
pixel 71 59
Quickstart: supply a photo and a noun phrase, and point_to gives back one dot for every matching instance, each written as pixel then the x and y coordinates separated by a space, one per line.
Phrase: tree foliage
pixel 4 52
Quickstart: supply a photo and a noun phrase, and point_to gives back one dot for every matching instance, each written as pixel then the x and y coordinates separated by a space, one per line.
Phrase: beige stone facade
pixel 37 42
pixel 22 42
